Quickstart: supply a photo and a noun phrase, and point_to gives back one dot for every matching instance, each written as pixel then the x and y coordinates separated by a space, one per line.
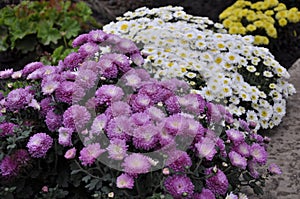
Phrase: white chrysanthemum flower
pixel 251 116
pixel 251 68
pixel 279 109
pixel 268 74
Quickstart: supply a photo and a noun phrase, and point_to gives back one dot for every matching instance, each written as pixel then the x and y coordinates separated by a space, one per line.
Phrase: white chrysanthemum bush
pixel 221 67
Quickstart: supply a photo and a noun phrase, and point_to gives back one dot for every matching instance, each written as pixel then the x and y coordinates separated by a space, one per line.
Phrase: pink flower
pixel 125 181
pixel 70 154
pixel 90 153
pixel 136 164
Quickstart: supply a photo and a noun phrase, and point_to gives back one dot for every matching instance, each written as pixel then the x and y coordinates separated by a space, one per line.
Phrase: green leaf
pixel 47 33
pixel 92 185
pixel 26 44
pixel 3 43
pixel 86 178
pixel 84 10
pixel 19 29
pixel 256 188
pixel 70 27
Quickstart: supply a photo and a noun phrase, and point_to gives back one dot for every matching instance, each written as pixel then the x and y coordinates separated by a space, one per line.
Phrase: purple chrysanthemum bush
pixel 98 126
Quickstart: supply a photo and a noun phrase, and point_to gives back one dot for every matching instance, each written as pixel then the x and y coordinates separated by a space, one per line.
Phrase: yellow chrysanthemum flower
pixel 282 22
pixel 259 24
pixel 227 23
pixel 269 12
pixel 272 3
pixel 292 17
pixel 234 30
pixel 272 32
pixel 280 6
pixel 281 14
pixel 251 27
pixel 261 40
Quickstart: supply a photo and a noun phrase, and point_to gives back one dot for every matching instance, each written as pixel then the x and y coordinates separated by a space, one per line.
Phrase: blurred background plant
pixel 33 30
pixel 274 24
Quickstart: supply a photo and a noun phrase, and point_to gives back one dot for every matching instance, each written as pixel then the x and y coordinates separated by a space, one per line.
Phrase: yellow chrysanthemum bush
pixel 271 22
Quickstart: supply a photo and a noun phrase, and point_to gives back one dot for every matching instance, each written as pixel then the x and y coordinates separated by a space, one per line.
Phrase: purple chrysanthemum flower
pixel 76 116
pixel 145 137
pixel 121 61
pixel 88 49
pixel 90 153
pixel 31 67
pixel 156 92
pixel 179 186
pixel 252 167
pixel 6 73
pixel 132 79
pixel 259 139
pixel 46 105
pixel 53 120
pixel 119 127
pixel 141 118
pixel 205 194
pixel 21 156
pixel 65 136
pixel 125 181
pixel 214 113
pixel 69 92
pixel 127 46
pixel 68 75
pixel 71 153
pixel 50 84
pixel 107 68
pixel 221 145
pixel 244 125
pixel 218 183
pixel 137 58
pixel 178 160
pixel 39 144
pixel 237 160
pixel 18 99
pixel 258 153
pixel 235 136
pixel 156 114
pixel 113 39
pixel 172 105
pixel 243 149
pixel 8 167
pixel 7 128
pixel 117 149
pixel 175 124
pixel 99 124
pixel 120 108
pixel 108 93
pixel 81 39
pixel 86 78
pixel 274 169
pixel 136 164
pixel 17 74
pixel 206 148
pixel 140 102
pixel 73 60
pixel 97 36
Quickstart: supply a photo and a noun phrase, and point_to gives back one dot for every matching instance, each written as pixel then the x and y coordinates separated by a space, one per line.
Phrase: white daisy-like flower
pixel 268 74
pixel 279 109
pixel 251 116
pixel 265 114
pixel 251 68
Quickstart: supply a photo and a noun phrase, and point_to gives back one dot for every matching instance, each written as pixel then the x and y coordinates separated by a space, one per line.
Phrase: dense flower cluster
pixel 219 66
pixel 261 19
pixel 129 121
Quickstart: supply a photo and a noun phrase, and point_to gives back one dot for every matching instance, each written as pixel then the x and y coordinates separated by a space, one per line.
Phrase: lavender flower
pixel 8 167
pixel 172 105
pixel 274 169
pixel 99 124
pixel 73 60
pixel 120 108
pixel 21 156
pixel 18 99
pixel 145 137
pixel 205 194
pixel 237 160
pixel 231 196
pixel 90 153
pixel 97 36
pixel 155 113
pixel 127 46
pixel 178 161
pixel 107 94
pixel 218 183
pixel 65 136
pixel 107 68
pixel 140 102
pixel 235 136
pixel 86 78
pixel 117 149
pixel 81 39
pixel 137 58
pixel 76 116
pixel 136 164
pixel 69 92
pixel 121 61
pixel 175 124
pixel 258 153
pixel 53 120
pixel 119 127
pixel 88 49
pixel 206 148
pixel 125 181
pixel 140 119
pixel 179 186
pixel 46 105
pixel 6 73
pixel 31 67
pixel 39 144
pixel 243 149
pixel 7 128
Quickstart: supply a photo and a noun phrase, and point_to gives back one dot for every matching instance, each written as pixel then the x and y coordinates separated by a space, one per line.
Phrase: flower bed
pixel 98 126
pixel 226 68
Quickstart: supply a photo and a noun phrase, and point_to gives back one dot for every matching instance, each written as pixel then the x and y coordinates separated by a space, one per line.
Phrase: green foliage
pixel 43 26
